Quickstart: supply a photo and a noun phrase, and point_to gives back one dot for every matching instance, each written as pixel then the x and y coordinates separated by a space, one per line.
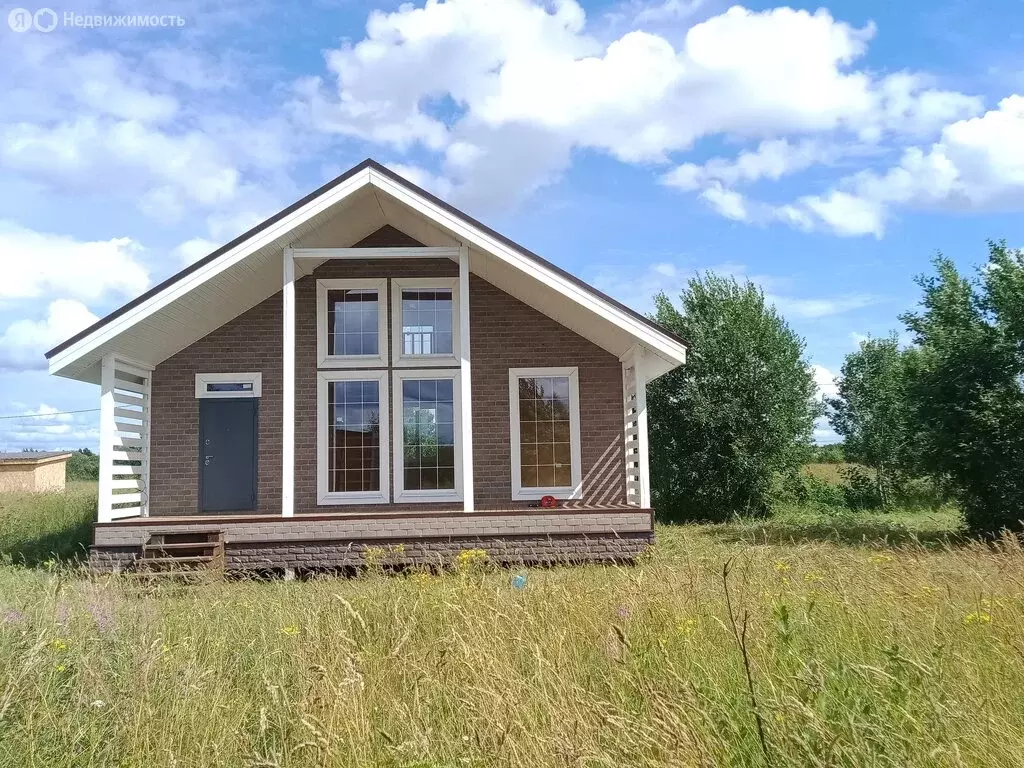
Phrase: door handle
pixel 208 460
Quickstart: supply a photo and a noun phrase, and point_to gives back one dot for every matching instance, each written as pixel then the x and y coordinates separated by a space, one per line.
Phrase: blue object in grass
pixel 519 581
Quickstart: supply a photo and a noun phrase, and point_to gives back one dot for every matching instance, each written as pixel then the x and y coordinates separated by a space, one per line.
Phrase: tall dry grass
pixel 858 654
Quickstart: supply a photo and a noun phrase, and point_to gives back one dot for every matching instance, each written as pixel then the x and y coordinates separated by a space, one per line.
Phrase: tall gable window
pixel 351 323
pixel 424 319
pixel 352 437
pixel 427 424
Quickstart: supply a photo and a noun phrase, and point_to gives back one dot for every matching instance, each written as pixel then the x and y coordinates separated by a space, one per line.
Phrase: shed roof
pixel 33 457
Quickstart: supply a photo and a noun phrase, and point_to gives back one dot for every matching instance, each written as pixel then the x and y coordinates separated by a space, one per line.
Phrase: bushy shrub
pixel 83 465
pixel 808 490
pixel 860 490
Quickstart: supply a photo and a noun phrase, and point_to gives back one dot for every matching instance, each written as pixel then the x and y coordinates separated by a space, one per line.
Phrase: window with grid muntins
pixel 353 436
pixel 352 319
pixel 428 429
pixel 544 432
pixel 427 322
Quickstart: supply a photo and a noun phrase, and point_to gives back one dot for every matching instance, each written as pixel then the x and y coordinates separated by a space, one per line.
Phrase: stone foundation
pixel 438 552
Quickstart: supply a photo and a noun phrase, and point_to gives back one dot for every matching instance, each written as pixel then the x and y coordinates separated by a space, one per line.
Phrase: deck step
pixel 176 552
pixel 191 560
pixel 180 545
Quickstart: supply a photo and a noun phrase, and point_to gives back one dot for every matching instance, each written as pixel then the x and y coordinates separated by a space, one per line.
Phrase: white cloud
pixel 421 177
pixel 168 170
pixel 193 250
pixel 824 380
pixel 772 159
pixel 727 202
pixel 464 74
pixel 25 341
pixel 48 428
pixel 824 434
pixel 636 287
pixel 113 125
pixel 36 264
pixel 976 165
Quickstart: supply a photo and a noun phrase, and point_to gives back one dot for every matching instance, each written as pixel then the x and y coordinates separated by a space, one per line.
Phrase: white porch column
pixel 105 506
pixel 465 377
pixel 637 452
pixel 644 454
pixel 288 388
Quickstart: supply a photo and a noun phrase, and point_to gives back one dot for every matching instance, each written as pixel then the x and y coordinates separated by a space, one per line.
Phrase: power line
pixel 46 415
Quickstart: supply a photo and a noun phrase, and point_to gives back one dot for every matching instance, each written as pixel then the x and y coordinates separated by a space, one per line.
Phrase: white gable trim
pixel 670 350
pixel 471 234
pixel 224 261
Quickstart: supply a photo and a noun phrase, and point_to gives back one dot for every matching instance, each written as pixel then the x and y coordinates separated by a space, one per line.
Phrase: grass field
pixel 880 640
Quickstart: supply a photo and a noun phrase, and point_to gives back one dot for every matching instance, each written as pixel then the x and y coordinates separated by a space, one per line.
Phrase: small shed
pixel 33 471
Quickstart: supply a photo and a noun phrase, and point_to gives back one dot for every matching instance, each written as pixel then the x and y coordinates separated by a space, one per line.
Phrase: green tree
pixel 83 465
pixel 872 413
pixel 737 414
pixel 965 384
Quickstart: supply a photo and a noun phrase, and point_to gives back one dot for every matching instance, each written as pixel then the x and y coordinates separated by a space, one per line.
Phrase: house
pixel 33 471
pixel 371 367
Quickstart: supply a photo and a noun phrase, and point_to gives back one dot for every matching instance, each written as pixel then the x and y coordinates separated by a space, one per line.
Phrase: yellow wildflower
pixel 290 630
pixel 781 566
pixel 422 578
pixel 977 617
pixel 813 578
pixel 879 558
pixel 60 668
pixel 469 558
pixel 59 645
pixel 687 627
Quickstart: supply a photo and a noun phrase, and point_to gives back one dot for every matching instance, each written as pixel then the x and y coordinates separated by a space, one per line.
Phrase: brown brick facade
pixel 505 333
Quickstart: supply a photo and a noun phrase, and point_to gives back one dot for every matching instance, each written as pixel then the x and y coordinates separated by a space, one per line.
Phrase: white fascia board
pixel 666 346
pixel 181 287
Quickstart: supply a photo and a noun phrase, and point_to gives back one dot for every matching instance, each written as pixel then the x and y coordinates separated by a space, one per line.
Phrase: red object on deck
pixel 548 502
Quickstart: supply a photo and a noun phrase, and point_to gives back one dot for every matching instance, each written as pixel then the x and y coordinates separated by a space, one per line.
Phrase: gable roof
pixel 446 217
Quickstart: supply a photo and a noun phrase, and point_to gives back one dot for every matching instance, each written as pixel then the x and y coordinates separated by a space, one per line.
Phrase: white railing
pixel 634 395
pixel 125 399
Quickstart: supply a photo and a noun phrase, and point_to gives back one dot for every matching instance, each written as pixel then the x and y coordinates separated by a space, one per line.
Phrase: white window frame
pixel 253 377
pixel 323 497
pixel 573 491
pixel 324 360
pixel 399 358
pixel 440 494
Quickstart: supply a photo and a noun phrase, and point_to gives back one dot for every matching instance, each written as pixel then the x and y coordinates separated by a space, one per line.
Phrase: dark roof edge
pixel 368 163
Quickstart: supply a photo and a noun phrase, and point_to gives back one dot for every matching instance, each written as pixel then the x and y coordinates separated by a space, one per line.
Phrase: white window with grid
pixel 427 427
pixel 425 321
pixel 352 437
pixel 544 427
pixel 352 321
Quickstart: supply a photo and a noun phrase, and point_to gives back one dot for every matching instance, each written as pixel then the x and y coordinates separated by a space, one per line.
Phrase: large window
pixel 427 446
pixel 351 323
pixel 352 437
pixel 425 321
pixel 545 432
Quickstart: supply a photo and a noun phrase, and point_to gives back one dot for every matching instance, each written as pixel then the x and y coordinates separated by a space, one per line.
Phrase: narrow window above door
pixel 424 320
pixel 352 323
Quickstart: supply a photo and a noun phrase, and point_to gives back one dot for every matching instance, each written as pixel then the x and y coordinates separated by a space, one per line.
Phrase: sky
pixel 825 153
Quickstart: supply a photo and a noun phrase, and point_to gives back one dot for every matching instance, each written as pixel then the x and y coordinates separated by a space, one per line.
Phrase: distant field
pixel 872 640
pixel 832 473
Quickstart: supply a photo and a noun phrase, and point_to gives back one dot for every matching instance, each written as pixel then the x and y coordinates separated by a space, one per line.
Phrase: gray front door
pixel 227 454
